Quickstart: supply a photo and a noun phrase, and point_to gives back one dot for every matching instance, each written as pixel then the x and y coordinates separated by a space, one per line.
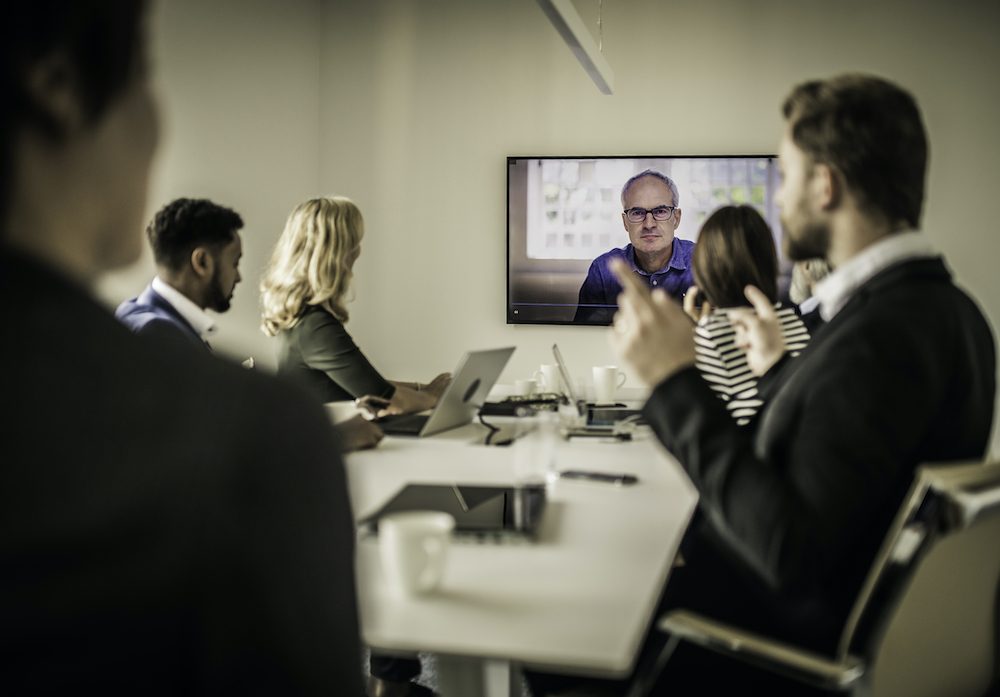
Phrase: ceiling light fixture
pixel 571 28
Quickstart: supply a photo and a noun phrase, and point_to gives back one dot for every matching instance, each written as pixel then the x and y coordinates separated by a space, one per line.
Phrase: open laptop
pixel 470 383
pixel 596 415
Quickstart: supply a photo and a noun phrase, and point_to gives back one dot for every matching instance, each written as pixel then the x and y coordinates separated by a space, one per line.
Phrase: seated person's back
pixel 319 353
pixel 735 249
pixel 304 293
pixel 170 524
pixel 173 520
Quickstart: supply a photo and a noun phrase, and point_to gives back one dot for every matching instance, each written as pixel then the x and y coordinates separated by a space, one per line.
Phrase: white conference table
pixel 577 600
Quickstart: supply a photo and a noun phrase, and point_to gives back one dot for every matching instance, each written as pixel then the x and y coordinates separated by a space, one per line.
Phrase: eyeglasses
pixel 637 215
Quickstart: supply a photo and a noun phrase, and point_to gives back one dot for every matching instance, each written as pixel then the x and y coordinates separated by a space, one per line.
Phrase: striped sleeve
pixel 792 329
pixel 724 367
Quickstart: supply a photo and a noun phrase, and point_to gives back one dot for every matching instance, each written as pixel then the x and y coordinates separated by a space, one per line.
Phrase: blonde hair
pixel 311 264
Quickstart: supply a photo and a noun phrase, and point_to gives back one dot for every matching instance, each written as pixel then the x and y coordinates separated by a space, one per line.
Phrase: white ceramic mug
pixel 413 546
pixel 607 380
pixel 341 411
pixel 525 388
pixel 548 378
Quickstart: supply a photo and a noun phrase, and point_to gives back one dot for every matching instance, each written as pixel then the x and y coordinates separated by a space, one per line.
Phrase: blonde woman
pixel 303 295
pixel 304 292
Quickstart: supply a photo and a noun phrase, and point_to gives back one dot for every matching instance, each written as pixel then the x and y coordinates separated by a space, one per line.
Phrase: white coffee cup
pixel 341 411
pixel 413 546
pixel 607 380
pixel 525 388
pixel 548 378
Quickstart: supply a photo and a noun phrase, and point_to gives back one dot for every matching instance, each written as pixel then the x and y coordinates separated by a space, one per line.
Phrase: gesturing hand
pixel 651 332
pixel 758 331
pixel 695 313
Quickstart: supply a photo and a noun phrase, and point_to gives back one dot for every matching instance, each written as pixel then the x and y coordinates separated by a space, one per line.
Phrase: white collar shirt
pixel 836 289
pixel 195 316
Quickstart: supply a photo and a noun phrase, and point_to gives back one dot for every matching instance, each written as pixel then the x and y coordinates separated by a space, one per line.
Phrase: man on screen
pixel 651 216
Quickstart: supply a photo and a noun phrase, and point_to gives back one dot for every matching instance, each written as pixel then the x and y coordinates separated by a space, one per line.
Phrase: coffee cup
pixel 413 546
pixel 548 378
pixel 607 380
pixel 525 388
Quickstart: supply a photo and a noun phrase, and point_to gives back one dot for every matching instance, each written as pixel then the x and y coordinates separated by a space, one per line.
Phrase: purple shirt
pixel 599 293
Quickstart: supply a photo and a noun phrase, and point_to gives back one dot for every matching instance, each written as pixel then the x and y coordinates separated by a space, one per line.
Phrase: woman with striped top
pixel 735 249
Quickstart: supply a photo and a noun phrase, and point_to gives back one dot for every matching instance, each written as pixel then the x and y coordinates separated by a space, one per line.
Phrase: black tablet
pixel 477 509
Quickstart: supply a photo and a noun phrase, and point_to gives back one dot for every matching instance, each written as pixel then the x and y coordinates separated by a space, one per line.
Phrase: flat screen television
pixel 564 212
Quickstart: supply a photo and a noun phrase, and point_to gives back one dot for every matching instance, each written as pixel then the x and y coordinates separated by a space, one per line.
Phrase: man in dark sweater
pixel 791 513
pixel 169 523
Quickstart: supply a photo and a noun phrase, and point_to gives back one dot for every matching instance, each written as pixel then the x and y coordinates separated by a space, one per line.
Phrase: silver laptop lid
pixel 470 384
pixel 567 380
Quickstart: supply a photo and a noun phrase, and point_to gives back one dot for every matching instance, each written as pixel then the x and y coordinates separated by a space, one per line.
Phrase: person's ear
pixel 625 222
pixel 677 218
pixel 826 186
pixel 202 262
pixel 52 87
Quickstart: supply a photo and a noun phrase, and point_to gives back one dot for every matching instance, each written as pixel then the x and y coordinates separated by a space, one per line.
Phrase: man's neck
pixel 852 232
pixel 651 263
pixel 182 285
pixel 39 233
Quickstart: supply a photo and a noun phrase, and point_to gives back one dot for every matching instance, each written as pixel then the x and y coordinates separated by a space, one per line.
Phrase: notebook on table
pixel 471 382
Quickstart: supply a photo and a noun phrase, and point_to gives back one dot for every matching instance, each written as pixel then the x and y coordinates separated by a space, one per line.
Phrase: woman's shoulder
pixel 317 329
pixel 315 317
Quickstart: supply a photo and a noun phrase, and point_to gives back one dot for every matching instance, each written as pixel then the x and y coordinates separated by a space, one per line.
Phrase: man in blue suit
pixel 197 248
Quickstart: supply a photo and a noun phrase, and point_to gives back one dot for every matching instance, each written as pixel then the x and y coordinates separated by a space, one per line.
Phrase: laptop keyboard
pixel 404 424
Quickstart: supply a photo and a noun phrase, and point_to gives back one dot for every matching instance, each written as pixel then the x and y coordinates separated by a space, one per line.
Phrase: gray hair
pixel 658 175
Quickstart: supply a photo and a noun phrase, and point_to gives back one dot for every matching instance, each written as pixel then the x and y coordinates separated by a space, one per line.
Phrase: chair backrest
pixel 927 612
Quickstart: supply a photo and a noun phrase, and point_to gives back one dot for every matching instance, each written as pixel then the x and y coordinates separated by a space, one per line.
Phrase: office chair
pixel 926 621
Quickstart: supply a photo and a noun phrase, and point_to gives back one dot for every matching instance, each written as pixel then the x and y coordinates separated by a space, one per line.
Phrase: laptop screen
pixel 564 371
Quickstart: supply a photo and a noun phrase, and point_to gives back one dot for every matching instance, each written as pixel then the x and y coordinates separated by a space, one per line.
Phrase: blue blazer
pixel 151 314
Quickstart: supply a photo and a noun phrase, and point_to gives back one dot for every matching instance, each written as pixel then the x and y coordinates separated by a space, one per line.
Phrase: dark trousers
pixel 394 668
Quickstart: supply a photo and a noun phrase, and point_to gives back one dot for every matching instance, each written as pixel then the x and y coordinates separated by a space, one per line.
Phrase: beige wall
pixel 422 101
pixel 411 106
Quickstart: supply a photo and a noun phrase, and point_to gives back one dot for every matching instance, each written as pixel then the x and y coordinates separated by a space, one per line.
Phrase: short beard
pixel 812 242
pixel 217 299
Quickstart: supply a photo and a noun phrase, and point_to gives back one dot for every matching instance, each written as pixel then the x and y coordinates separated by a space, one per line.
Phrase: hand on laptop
pixel 373 407
pixel 357 433
pixel 439 384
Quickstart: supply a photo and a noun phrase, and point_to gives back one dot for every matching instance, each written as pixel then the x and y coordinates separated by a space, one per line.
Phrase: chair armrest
pixel 763 652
